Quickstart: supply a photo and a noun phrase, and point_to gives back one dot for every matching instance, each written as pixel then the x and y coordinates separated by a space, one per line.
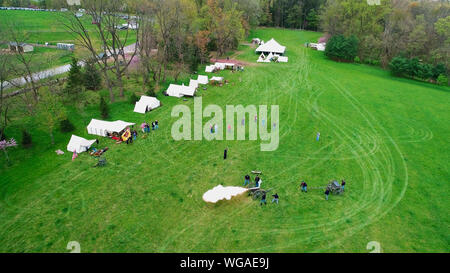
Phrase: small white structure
pixel 146 104
pixel 318 46
pixel 79 144
pixel 216 79
pixel 193 83
pixel 101 127
pixel 271 46
pixel 202 79
pixel 282 59
pixel 210 68
pixel 179 91
pixel 65 46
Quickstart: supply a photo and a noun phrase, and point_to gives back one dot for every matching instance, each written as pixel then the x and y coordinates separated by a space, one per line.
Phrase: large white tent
pixel 216 79
pixel 146 103
pixel 202 79
pixel 79 144
pixel 101 127
pixel 271 46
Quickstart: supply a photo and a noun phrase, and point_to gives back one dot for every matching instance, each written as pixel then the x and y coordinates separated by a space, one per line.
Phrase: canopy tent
pixel 101 127
pixel 202 79
pixel 79 144
pixel 146 103
pixel 271 46
pixel 179 91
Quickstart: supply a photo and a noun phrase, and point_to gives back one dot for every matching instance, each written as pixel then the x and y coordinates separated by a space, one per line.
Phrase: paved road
pixel 54 71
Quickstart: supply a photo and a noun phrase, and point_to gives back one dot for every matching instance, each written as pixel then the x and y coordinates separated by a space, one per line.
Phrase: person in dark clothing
pixel 153 125
pixel 275 198
pixel 96 141
pixel 156 124
pixel 225 153
pixel 247 180
pixel 304 186
pixel 343 184
pixel 263 199
pixel 327 192
pixel 257 180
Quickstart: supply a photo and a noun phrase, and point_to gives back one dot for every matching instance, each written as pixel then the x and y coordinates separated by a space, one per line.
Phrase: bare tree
pixel 106 15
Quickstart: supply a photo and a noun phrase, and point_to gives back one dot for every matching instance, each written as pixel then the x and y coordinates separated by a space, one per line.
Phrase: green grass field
pixel 388 137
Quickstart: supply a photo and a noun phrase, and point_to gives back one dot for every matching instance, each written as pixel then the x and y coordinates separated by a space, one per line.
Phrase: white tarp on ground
pixel 217 79
pixel 220 192
pixel 271 46
pixel 79 144
pixel 318 46
pixel 145 103
pixel 202 79
pixel 101 127
pixel 179 91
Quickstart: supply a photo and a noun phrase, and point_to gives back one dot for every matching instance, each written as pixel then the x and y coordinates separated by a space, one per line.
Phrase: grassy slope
pixel 386 136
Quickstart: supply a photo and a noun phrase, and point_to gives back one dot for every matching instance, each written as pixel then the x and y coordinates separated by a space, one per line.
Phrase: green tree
pixel 92 79
pixel 50 112
pixel 341 48
pixel 75 78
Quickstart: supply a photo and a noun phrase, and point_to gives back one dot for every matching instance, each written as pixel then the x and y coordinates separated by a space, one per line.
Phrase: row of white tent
pixel 96 127
pixel 146 104
pixel 218 66
pixel 179 91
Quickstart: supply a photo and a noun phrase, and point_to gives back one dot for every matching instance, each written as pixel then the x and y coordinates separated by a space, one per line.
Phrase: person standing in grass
pixel 153 125
pixel 327 192
pixel 225 153
pixel 303 186
pixel 247 180
pixel 257 179
pixel 263 199
pixel 343 185
pixel 156 124
pixel 318 136
pixel 275 198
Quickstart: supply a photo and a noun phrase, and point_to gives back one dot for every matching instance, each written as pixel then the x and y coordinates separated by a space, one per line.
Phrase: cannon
pixel 334 187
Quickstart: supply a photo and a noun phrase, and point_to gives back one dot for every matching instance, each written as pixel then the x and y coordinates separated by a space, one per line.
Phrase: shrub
pixel 67 126
pixel 442 80
pixel 341 48
pixel 104 110
pixel 438 70
pixel 357 59
pixel 399 66
pixel 26 139
pixel 133 98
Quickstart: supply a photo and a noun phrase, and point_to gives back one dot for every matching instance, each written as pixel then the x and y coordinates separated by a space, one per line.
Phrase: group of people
pixel 154 124
pixel 258 181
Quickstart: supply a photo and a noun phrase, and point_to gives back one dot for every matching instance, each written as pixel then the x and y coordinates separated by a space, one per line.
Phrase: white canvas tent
pixel 193 83
pixel 179 91
pixel 202 79
pixel 271 46
pixel 79 144
pixel 210 68
pixel 146 103
pixel 101 127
